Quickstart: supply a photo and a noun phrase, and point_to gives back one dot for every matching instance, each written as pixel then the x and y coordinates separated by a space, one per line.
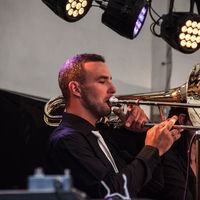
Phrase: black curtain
pixel 23 136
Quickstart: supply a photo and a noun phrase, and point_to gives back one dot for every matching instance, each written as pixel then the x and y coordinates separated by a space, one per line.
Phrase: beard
pixel 97 109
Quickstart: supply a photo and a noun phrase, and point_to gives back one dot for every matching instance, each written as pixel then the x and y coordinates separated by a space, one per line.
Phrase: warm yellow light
pixel 184 29
pixel 194 24
pixel 182 36
pixel 174 93
pixel 84 4
pixel 198 25
pixel 187 37
pixel 70 12
pixel 81 1
pixel 190 30
pixel 74 4
pixel 188 23
pixel 75 13
pixel 188 44
pixel 78 6
pixel 68 6
pixel 81 11
pixel 198 39
pixel 70 1
pixel 199 32
pixel 195 31
pixel 193 38
pixel 183 43
pixel 194 45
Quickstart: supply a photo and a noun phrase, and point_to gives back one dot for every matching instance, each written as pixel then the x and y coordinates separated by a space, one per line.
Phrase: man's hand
pixel 134 118
pixel 161 136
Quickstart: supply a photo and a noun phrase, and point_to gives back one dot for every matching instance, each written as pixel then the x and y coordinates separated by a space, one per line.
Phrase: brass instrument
pixel 186 96
pixel 53 104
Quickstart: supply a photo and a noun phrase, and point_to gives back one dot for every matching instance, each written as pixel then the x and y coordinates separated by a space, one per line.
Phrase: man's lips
pixel 107 100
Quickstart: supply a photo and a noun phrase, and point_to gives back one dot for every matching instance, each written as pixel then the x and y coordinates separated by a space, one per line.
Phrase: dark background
pixel 23 136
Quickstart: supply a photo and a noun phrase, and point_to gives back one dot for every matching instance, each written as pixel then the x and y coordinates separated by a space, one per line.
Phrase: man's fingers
pixel 171 122
pixel 132 116
pixel 119 113
pixel 176 135
pixel 136 118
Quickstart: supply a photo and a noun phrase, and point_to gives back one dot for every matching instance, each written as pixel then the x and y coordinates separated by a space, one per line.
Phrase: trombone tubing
pixel 154 103
pixel 175 126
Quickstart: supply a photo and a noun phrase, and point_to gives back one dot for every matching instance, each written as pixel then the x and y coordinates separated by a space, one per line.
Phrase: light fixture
pixel 124 17
pixel 69 10
pixel 181 30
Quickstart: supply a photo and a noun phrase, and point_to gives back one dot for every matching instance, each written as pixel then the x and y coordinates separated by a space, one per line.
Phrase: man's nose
pixel 112 89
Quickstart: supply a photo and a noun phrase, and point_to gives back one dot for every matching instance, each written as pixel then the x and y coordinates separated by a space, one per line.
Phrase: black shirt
pixel 73 146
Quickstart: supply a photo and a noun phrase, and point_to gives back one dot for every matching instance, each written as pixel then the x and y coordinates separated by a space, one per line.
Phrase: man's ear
pixel 75 88
pixel 182 119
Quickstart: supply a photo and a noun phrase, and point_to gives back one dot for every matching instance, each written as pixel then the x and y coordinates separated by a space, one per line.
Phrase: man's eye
pixel 102 82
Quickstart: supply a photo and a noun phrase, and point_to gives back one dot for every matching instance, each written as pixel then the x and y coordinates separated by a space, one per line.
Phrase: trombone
pixel 185 96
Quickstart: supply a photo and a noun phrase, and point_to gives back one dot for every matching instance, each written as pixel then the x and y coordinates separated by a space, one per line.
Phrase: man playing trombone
pixel 81 144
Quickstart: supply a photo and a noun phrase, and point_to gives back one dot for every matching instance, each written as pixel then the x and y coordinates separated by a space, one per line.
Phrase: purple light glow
pixel 138 24
pixel 143 11
pixel 141 17
pixel 136 30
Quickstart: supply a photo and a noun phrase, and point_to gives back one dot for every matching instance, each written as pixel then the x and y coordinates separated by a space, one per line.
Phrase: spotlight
pixel 181 30
pixel 69 10
pixel 124 17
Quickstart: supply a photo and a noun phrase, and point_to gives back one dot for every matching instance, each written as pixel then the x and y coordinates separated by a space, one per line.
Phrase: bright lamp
pixel 181 30
pixel 69 10
pixel 124 17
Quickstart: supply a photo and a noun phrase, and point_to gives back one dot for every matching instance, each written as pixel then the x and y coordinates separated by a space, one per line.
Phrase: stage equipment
pixel 186 96
pixel 181 30
pixel 69 10
pixel 124 17
pixel 46 187
pixel 40 181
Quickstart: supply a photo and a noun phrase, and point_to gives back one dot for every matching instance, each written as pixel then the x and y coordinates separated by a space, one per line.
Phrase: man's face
pixel 97 89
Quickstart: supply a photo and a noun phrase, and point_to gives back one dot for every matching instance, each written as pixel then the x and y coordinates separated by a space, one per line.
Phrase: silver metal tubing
pixel 174 126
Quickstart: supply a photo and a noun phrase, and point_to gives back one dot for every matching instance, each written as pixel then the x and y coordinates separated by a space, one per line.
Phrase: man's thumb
pixel 119 113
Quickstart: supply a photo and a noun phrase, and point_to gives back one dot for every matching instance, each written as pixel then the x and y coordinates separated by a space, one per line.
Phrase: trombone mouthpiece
pixel 113 101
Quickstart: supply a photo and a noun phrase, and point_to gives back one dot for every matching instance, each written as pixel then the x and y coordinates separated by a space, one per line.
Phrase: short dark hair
pixel 73 70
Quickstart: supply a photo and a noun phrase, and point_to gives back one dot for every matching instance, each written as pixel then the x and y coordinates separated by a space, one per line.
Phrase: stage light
pixel 69 10
pixel 124 17
pixel 181 31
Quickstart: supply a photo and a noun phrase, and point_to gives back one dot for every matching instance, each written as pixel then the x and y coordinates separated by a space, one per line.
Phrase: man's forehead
pixel 97 68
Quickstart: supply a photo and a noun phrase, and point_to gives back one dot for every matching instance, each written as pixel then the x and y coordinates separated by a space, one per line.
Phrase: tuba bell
pixel 185 96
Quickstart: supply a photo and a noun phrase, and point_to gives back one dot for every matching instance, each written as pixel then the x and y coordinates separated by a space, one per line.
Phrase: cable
pixel 153 25
pixel 151 9
pixel 155 22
